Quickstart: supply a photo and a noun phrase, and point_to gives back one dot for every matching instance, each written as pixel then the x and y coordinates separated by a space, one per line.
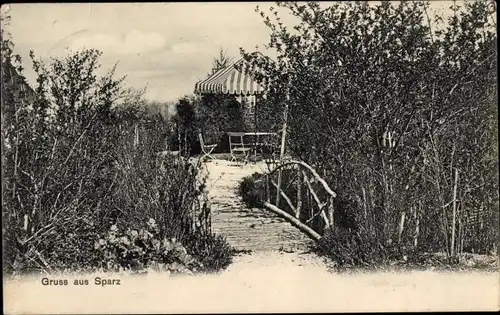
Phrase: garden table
pixel 245 148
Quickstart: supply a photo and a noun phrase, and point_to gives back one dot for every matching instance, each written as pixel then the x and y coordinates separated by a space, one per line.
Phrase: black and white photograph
pixel 249 157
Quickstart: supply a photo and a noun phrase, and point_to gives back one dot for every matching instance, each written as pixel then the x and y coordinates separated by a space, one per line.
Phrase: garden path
pixel 247 229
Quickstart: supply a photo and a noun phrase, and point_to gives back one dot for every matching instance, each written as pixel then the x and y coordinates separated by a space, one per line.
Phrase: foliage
pixel 186 122
pixel 212 251
pixel 219 114
pixel 389 106
pixel 82 157
pixel 269 114
pixel 139 250
pixel 220 62
pixel 252 190
pixel 165 109
pixel 349 249
pixel 212 115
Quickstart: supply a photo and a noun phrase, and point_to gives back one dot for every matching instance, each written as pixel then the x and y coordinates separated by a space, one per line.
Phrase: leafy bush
pixel 139 250
pixel 397 112
pixel 187 127
pixel 269 114
pixel 252 190
pixel 81 158
pixel 212 115
pixel 211 250
pixel 348 248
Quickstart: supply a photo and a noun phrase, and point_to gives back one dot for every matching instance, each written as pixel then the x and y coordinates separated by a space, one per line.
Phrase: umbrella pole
pixel 255 125
pixel 255 112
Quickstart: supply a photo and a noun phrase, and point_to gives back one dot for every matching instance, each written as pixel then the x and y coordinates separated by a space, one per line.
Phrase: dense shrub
pixel 211 250
pixel 397 112
pixel 138 250
pixel 348 248
pixel 81 161
pixel 269 114
pixel 187 127
pixel 252 190
pixel 212 115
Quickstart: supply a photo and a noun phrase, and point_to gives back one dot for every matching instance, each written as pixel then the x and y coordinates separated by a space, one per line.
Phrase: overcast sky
pixel 166 46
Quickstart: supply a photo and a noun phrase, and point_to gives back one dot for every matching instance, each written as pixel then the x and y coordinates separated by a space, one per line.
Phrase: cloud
pixel 187 48
pixel 169 47
pixel 102 42
pixel 134 42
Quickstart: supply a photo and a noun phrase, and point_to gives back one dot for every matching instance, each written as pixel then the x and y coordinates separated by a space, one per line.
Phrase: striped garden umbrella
pixel 238 80
pixel 235 79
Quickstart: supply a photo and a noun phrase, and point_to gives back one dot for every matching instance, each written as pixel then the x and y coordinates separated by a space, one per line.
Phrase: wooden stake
pixel 330 211
pixel 460 237
pixel 417 230
pixel 365 207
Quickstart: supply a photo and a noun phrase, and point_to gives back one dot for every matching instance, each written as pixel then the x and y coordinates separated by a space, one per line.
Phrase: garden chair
pixel 269 148
pixel 207 149
pixel 237 149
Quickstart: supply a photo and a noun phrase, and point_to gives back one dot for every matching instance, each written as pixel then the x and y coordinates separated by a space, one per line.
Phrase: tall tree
pixel 220 62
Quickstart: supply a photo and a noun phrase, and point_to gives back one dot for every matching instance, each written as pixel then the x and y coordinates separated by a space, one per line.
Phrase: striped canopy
pixel 230 80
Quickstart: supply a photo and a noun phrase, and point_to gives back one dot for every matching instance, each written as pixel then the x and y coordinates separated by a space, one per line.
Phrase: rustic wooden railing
pixel 305 207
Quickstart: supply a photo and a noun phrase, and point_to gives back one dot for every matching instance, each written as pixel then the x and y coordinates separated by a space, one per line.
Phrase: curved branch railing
pixel 311 169
pixel 327 217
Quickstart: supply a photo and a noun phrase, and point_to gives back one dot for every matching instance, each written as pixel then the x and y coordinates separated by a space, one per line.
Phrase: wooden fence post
pixel 417 224
pixel 460 236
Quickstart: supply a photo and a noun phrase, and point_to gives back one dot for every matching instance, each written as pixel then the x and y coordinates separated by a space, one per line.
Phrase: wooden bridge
pixel 248 228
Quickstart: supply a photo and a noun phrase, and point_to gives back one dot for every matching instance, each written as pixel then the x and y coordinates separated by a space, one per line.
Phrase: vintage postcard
pixel 249 157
